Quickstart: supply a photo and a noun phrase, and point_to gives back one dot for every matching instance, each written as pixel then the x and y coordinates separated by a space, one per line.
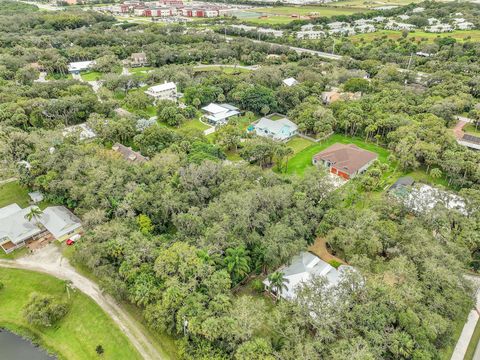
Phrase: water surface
pixel 14 347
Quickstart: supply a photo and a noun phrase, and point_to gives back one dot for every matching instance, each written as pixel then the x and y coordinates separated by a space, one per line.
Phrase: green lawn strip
pixel 141 70
pixel 163 343
pixel 76 335
pixel 474 341
pixel 298 144
pixel 303 159
pixel 14 254
pixel 470 129
pixel 446 352
pixel 420 175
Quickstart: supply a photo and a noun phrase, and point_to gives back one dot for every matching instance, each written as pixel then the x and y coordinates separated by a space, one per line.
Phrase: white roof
pixel 85 131
pixel 59 221
pixel 14 226
pixel 213 108
pixel 278 129
pixel 36 196
pixel 80 65
pixel 290 81
pixel 303 269
pixel 163 87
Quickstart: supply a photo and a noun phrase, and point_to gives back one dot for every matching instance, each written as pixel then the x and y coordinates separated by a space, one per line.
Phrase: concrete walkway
pixel 469 327
pixel 9 180
pixel 49 260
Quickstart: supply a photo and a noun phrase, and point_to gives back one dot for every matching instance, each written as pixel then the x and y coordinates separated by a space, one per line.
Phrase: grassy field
pixel 285 14
pixel 460 35
pixel 303 159
pixel 91 75
pixel 75 336
pixel 13 192
pixel 298 144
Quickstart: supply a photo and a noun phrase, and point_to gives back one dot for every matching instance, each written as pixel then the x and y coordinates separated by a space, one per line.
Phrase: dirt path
pixel 49 260
pixel 319 248
pixel 458 129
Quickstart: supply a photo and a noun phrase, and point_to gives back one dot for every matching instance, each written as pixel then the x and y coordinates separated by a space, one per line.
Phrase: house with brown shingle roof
pixel 345 160
pixel 128 154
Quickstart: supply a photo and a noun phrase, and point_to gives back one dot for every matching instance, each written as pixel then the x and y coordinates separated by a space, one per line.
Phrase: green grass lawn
pixel 460 35
pixel 194 124
pixel 91 75
pixel 298 144
pixel 13 193
pixel 470 129
pixel 140 70
pixel 303 159
pixel 75 336
pixel 56 76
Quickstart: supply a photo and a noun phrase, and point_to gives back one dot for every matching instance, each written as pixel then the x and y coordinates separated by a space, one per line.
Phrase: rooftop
pixel 348 158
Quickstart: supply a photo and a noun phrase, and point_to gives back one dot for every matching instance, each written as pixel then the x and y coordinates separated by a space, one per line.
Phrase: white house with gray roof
pixel 218 114
pixel 281 129
pixel 16 230
pixel 304 267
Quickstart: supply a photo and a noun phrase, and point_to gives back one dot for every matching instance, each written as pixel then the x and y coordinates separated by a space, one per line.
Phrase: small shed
pixel 36 196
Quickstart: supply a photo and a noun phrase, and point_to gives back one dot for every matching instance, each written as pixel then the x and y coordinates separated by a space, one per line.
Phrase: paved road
pixel 469 327
pixel 304 51
pixel 49 260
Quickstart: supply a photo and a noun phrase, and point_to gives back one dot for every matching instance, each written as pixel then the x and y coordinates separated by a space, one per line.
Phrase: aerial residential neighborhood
pixel 244 180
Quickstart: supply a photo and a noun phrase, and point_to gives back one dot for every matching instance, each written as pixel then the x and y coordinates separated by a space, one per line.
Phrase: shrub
pixel 257 285
pixel 335 263
pixel 1 285
pixel 44 310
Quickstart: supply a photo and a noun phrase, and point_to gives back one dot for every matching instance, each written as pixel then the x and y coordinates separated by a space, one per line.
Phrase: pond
pixel 14 347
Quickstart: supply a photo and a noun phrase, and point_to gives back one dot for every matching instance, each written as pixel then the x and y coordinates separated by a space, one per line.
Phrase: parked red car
pixel 70 242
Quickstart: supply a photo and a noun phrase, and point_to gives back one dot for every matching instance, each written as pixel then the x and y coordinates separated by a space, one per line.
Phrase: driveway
pixel 49 260
pixel 469 327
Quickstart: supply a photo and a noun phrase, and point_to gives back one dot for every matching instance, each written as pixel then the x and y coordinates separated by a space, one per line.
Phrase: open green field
pixel 285 14
pixel 303 159
pixel 91 75
pixel 76 335
pixel 460 35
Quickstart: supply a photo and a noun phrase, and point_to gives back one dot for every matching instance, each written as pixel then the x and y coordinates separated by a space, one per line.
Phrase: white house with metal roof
pixel 281 129
pixel 218 114
pixel 290 82
pixel 16 230
pixel 304 267
pixel 165 91
pixel 77 67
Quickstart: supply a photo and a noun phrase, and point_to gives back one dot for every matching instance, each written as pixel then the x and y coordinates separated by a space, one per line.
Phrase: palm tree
pixel 278 283
pixel 237 263
pixel 34 214
pixel 436 173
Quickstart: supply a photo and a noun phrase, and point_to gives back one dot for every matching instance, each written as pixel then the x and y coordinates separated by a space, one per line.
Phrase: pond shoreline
pixel 20 343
